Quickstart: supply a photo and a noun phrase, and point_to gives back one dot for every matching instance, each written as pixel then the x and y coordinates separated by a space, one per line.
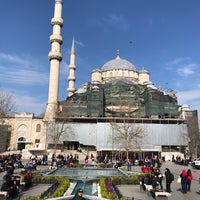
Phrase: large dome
pixel 118 63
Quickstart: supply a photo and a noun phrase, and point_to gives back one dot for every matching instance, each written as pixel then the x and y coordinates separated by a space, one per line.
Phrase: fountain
pixel 87 173
pixel 86 178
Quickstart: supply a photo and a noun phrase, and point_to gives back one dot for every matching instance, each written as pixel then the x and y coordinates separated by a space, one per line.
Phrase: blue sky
pixel 163 36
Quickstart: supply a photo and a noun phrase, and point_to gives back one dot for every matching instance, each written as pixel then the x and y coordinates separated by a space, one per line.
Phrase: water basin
pixel 87 173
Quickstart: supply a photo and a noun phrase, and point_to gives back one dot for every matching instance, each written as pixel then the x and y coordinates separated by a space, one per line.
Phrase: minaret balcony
pixel 71 78
pixel 57 21
pixel 56 38
pixel 72 66
pixel 55 55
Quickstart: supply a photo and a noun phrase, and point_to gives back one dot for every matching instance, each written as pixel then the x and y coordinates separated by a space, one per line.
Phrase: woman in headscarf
pixel 79 195
pixel 183 176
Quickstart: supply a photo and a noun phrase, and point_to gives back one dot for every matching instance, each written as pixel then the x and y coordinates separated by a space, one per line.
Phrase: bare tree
pixel 56 130
pixel 126 133
pixel 7 103
pixel 59 128
pixel 6 107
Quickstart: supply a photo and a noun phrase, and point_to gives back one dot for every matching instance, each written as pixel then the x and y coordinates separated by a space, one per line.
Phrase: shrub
pixel 64 184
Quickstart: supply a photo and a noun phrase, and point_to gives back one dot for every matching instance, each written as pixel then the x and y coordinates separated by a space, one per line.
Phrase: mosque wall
pixel 101 135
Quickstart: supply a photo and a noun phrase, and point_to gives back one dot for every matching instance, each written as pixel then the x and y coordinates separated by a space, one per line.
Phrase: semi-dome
pixel 118 63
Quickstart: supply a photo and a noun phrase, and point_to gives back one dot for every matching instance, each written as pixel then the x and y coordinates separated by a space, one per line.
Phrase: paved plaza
pixel 134 190
pixel 176 194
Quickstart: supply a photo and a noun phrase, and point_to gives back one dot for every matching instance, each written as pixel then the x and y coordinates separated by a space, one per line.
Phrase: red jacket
pixel 189 177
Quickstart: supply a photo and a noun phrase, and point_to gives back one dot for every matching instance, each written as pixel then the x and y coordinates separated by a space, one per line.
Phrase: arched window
pixel 38 128
pixel 21 139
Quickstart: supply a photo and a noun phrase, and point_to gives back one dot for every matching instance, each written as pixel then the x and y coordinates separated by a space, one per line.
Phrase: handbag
pixel 179 180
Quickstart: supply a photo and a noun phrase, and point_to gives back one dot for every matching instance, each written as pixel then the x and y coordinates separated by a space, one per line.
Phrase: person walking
pixel 183 176
pixel 189 179
pixel 169 178
pixel 160 177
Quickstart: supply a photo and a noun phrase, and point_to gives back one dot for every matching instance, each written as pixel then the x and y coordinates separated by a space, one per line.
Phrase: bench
pixel 3 195
pixel 148 189
pixel 161 195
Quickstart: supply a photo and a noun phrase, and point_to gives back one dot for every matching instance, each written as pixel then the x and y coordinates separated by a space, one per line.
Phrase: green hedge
pixel 64 184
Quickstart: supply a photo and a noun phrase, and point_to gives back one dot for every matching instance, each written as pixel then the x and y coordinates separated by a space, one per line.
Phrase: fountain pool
pixel 87 173
pixel 86 178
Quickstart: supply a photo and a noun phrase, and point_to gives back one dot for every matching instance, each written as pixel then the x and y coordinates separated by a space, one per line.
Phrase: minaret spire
pixel 118 56
pixel 72 68
pixel 55 58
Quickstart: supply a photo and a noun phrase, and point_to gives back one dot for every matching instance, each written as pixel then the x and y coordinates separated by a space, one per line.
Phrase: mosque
pixel 119 110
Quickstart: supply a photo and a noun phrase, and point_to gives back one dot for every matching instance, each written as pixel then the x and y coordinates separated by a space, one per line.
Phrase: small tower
pixel 143 76
pixel 55 58
pixel 72 68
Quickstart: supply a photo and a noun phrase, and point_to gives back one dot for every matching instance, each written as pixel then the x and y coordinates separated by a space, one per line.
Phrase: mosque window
pixel 38 128
pixel 37 140
pixel 21 139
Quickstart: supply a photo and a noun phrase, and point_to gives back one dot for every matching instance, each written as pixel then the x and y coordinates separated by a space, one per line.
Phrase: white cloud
pixel 64 70
pixel 79 43
pixel 187 70
pixel 22 70
pixel 117 21
pixel 29 104
pixel 178 61
pixel 184 67
pixel 23 76
pixel 111 21
pixel 188 96
pixel 14 59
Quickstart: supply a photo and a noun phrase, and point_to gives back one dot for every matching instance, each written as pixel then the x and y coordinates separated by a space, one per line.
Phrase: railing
pixel 87 197
pixel 50 190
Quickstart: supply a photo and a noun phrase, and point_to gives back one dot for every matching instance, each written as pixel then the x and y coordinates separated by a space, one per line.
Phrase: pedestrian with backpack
pixel 169 178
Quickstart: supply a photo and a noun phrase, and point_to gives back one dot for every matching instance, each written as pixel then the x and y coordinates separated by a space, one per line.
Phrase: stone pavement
pixel 176 194
pixel 134 190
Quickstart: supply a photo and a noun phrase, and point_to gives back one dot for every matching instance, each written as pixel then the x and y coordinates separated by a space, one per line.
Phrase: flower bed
pixel 109 185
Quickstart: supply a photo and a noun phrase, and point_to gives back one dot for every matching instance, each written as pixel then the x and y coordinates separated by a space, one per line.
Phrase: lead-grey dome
pixel 118 64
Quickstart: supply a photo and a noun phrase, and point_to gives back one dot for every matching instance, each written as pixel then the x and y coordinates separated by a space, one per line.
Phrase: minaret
pixel 55 58
pixel 72 68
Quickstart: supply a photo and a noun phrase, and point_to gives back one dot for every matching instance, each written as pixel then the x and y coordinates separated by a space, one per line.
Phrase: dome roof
pixel 118 63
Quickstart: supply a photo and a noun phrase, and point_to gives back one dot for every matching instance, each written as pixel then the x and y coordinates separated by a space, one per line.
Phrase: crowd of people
pixel 154 177
pixel 14 183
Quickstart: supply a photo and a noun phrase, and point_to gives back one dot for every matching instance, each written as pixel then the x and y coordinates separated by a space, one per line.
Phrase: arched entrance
pixel 21 143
